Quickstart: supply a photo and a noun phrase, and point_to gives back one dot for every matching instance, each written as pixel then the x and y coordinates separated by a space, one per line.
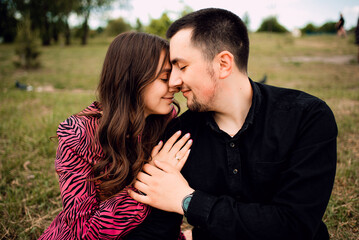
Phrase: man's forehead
pixel 180 44
pixel 182 37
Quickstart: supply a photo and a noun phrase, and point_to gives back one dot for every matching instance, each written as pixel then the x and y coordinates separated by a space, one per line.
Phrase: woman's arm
pixel 84 216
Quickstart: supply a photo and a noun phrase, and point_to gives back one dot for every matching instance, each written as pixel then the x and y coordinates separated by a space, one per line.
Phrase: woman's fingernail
pixel 159 142
pixel 178 132
pixel 188 135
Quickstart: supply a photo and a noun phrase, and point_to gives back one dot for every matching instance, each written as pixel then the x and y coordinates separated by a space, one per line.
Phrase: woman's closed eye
pixel 165 77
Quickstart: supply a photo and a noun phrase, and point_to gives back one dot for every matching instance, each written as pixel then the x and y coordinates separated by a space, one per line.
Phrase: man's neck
pixel 233 103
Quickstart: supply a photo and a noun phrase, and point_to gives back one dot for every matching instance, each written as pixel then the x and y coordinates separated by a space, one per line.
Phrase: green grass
pixel 29 193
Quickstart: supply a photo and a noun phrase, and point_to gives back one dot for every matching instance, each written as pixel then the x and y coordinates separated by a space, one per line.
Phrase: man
pixel 263 158
pixel 340 26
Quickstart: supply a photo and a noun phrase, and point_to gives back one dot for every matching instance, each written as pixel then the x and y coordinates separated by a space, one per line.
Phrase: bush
pixel 328 27
pixel 117 26
pixel 159 26
pixel 271 24
pixel 310 28
pixel 26 46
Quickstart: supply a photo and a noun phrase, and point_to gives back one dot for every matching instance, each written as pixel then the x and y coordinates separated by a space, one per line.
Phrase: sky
pixel 290 13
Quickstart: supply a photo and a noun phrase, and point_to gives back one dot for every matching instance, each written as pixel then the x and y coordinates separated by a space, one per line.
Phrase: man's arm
pixel 296 209
pixel 157 225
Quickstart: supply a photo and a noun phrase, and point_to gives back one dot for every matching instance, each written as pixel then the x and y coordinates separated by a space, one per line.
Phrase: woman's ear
pixel 226 64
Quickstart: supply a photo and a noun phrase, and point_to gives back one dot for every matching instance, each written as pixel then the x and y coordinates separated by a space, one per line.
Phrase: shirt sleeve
pixel 84 216
pixel 296 210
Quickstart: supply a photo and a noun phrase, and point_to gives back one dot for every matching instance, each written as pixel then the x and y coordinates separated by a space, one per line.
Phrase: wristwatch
pixel 185 203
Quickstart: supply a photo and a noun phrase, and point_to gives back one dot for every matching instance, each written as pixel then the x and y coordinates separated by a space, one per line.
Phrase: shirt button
pixel 232 144
pixel 235 171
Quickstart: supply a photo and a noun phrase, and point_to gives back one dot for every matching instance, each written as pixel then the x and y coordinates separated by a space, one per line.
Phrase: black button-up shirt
pixel 273 179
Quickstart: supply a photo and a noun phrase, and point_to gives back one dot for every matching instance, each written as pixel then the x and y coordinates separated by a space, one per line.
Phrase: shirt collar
pixel 254 109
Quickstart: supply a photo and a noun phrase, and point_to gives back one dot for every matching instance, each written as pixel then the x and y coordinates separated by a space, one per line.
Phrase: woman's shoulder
pixel 78 132
pixel 82 123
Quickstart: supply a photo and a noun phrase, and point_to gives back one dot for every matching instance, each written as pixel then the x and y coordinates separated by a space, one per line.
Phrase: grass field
pixel 66 83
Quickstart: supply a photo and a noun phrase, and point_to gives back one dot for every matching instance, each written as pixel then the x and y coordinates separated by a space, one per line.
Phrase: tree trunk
pixel 55 32
pixel 67 33
pixel 45 36
pixel 85 29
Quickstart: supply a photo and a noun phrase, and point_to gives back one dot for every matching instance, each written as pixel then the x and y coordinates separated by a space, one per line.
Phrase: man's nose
pixel 175 80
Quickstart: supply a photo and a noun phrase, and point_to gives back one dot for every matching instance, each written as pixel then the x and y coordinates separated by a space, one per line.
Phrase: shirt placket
pixel 233 166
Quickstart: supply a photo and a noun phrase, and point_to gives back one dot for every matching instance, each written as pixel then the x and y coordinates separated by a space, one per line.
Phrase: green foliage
pixel 328 27
pixel 309 29
pixel 117 26
pixel 271 24
pixel 186 10
pixel 159 26
pixel 26 49
pixel 246 19
pixel 7 22
pixel 139 26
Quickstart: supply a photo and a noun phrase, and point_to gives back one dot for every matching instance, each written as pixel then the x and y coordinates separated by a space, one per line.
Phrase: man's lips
pixel 185 92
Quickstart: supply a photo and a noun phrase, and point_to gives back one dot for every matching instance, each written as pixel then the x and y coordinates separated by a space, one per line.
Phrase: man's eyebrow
pixel 176 60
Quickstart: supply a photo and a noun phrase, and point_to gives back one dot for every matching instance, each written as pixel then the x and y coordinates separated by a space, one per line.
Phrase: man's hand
pixel 163 185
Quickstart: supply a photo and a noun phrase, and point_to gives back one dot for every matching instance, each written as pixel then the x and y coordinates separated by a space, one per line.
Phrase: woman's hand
pixel 172 152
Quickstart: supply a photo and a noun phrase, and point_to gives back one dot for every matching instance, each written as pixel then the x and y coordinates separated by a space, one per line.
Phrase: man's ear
pixel 226 64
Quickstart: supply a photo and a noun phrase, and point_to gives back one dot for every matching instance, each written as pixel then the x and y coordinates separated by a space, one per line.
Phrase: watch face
pixel 186 202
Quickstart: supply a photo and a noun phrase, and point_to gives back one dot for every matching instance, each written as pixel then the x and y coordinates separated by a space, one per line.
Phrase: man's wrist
pixel 186 202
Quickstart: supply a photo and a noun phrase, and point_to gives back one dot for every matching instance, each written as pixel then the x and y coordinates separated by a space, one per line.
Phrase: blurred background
pixel 51 54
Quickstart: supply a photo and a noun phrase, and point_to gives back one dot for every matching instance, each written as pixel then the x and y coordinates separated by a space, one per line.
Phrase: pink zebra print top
pixel 84 216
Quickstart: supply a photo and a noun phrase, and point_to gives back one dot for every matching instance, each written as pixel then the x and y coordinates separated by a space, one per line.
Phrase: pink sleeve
pixel 83 215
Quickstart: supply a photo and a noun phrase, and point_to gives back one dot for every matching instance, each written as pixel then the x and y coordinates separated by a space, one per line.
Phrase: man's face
pixel 192 72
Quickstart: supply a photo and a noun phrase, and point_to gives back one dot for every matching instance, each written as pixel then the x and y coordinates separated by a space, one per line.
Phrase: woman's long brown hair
pixel 126 136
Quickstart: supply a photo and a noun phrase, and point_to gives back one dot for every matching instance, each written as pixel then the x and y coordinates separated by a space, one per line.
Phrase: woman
pixel 102 148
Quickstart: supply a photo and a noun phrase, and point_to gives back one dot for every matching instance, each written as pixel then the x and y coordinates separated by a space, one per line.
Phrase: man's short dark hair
pixel 215 30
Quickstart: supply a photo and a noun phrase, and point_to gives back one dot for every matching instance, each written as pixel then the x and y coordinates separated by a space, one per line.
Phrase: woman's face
pixel 157 96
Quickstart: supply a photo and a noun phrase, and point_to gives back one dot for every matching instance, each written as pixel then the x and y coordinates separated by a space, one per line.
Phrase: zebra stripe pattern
pixel 84 216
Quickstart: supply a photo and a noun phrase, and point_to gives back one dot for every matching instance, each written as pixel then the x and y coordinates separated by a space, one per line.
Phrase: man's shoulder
pixel 185 122
pixel 286 98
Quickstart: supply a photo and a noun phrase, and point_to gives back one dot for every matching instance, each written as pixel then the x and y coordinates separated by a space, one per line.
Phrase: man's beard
pixel 196 106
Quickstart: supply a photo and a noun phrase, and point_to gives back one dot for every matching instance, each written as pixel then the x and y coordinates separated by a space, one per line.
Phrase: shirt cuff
pixel 199 208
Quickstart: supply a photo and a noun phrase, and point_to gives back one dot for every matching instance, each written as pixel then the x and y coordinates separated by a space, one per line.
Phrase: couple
pixel 262 161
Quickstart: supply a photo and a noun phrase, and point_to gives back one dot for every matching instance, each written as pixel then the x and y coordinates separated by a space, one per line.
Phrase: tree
pixel 139 26
pixel 328 27
pixel 8 22
pixel 310 28
pixel 159 26
pixel 87 6
pixel 66 7
pixel 246 19
pixel 117 26
pixel 26 47
pixel 271 24
pixel 186 10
